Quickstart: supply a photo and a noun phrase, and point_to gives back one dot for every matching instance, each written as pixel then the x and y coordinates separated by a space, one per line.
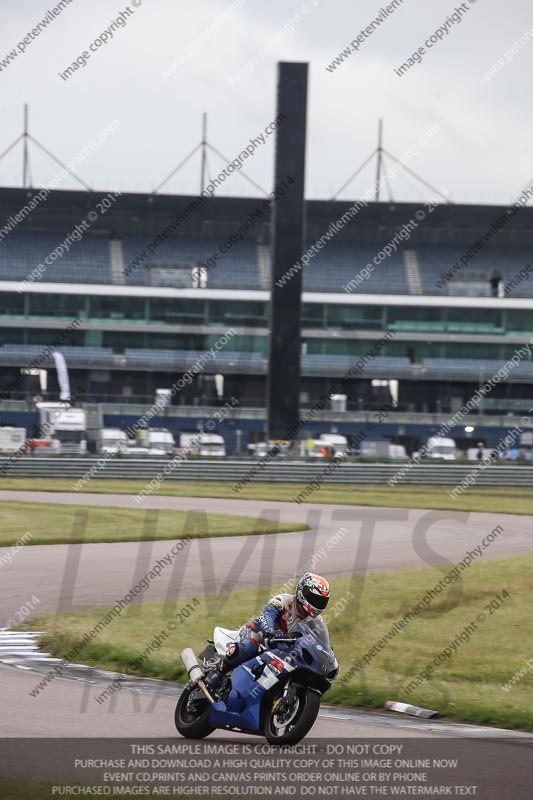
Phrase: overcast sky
pixel 482 152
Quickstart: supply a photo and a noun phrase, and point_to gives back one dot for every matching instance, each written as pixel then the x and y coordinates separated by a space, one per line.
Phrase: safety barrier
pixel 275 471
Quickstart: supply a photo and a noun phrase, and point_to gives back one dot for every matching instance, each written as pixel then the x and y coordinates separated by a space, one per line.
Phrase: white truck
pixel 12 439
pixel 112 441
pixel 381 448
pixel 152 442
pixel 203 444
pixel 337 441
pixel 65 427
pixel 472 453
pixel 441 447
pixel 397 451
pixel 328 444
pixel 160 442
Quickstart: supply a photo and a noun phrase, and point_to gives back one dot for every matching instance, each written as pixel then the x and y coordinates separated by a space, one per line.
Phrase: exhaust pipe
pixel 194 671
pixel 190 662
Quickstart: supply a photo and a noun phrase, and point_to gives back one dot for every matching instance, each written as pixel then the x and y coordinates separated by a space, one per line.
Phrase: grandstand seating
pixel 313 365
pixel 256 364
pixel 238 268
pixel 87 260
pixel 237 363
pixel 226 362
pixel 330 270
pixel 338 264
pixel 337 366
pixel 436 261
pixel 473 369
pixel 183 360
pixel 24 354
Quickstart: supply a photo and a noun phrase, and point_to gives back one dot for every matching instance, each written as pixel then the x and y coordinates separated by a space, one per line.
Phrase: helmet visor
pixel 316 601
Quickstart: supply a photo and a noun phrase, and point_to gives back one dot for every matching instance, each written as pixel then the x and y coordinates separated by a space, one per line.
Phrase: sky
pixel 171 60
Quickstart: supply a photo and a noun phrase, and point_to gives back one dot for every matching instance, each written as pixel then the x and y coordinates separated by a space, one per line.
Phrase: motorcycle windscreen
pixel 319 630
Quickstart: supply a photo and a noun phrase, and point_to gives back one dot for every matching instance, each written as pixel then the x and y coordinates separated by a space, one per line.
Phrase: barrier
pixel 275 471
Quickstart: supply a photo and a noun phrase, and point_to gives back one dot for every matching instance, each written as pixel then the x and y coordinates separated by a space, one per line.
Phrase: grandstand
pixel 148 309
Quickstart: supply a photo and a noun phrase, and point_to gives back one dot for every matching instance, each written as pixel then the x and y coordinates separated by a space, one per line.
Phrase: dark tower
pixel 283 385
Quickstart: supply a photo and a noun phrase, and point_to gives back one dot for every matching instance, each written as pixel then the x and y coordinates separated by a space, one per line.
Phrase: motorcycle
pixel 276 694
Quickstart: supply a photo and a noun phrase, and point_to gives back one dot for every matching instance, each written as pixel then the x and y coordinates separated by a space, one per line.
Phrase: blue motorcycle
pixel 276 694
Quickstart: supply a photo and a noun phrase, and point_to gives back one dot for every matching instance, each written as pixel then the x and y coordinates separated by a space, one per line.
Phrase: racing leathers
pixel 278 620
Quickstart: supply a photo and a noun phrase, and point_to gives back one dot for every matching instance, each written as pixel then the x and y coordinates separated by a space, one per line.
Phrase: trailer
pixel 203 444
pixel 64 427
pixel 12 440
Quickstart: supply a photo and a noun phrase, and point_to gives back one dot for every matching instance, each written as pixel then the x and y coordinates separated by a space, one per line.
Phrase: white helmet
pixel 312 595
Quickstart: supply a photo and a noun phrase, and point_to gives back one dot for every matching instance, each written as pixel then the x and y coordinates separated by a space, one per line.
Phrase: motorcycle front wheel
pixel 192 714
pixel 289 726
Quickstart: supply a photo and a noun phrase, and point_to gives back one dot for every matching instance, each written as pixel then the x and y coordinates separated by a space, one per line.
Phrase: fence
pixel 276 471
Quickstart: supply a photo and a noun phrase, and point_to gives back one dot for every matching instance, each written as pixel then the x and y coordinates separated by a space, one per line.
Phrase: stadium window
pixel 338 347
pixel 119 341
pixel 475 320
pixel 519 321
pixel 12 335
pixel 313 315
pixel 11 304
pixel 173 341
pixel 472 350
pixel 173 311
pixel 66 306
pixel 237 313
pixel 241 344
pixel 351 316
pixel 45 336
pixel 416 318
pixel 117 308
pixel 414 354
pixel 93 338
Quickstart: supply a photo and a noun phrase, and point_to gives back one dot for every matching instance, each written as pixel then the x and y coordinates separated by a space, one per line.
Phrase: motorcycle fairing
pixel 222 637
pixel 249 682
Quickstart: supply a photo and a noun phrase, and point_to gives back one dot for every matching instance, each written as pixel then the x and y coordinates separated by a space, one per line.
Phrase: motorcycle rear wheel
pixel 192 715
pixel 291 728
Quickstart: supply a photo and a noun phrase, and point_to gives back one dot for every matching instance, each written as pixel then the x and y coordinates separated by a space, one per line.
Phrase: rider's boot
pixel 236 653
pixel 213 679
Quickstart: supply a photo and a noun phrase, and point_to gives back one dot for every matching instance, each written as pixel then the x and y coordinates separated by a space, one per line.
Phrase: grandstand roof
pixel 134 213
pixel 124 245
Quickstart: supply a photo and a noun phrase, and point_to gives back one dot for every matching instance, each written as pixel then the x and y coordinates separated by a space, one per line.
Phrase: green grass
pixel 57 523
pixel 504 501
pixel 466 687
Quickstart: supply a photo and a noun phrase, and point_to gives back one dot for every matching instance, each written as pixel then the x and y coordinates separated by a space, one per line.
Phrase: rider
pixel 278 620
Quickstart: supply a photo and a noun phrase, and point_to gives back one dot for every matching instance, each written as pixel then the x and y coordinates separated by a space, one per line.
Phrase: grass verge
pixel 52 523
pixel 504 501
pixel 467 686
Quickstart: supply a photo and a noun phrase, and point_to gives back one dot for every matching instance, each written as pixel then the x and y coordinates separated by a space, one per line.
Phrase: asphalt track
pixel 89 575
pixel 92 575
pixel 67 708
pixel 496 763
